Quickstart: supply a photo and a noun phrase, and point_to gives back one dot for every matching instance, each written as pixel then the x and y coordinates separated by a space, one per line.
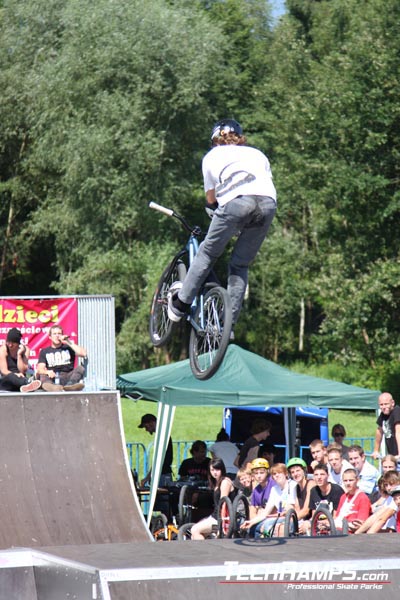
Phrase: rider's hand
pixel 210 208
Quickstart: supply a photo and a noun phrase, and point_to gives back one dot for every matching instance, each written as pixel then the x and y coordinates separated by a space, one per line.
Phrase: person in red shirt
pixel 354 505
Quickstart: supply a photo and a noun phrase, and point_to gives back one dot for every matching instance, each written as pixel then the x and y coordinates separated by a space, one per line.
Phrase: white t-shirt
pixel 237 171
pixel 227 452
pixel 280 498
pixel 337 477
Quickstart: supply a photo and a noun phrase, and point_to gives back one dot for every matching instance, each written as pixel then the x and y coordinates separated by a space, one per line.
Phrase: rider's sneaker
pixel 174 313
pixel 30 387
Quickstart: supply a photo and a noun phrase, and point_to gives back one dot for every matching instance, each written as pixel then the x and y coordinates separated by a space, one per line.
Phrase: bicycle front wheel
pixel 210 334
pixel 160 326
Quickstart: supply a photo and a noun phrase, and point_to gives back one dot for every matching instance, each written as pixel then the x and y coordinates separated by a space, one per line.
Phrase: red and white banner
pixel 35 317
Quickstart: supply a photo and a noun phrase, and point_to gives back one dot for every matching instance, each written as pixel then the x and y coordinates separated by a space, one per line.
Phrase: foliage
pixel 106 106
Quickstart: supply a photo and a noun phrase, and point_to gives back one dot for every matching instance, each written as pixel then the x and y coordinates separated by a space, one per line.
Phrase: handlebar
pixel 194 230
pixel 162 209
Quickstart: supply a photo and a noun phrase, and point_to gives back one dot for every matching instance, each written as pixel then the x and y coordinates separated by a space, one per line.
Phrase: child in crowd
pixel 281 498
pixel 245 480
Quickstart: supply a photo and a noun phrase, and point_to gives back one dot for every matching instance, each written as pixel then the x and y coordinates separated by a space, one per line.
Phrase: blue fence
pixel 140 455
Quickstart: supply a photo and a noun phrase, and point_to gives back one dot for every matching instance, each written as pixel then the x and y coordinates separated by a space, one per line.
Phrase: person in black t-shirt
pixel 14 365
pixel 324 492
pixel 198 465
pixel 388 426
pixel 56 365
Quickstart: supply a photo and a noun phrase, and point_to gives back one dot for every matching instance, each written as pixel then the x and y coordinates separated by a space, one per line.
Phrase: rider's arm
pixel 211 199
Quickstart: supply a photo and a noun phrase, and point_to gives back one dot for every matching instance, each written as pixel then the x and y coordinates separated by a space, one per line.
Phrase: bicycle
pixel 210 315
pixel 163 531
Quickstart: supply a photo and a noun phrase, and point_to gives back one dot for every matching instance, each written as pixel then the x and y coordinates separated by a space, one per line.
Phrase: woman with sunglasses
pixel 339 433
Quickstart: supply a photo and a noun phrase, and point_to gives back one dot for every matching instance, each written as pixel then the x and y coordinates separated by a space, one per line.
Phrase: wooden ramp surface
pixel 64 477
pixel 347 568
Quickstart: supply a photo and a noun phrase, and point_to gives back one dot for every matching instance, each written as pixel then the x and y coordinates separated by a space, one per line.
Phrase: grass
pixel 203 423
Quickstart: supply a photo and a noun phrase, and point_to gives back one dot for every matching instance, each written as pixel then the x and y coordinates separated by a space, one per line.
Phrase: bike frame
pixel 210 314
pixel 190 250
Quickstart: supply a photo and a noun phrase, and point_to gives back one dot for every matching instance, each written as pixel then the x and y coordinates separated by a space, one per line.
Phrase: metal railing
pixel 140 456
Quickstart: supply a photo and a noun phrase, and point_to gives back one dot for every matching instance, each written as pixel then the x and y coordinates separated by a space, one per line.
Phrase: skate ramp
pixel 64 475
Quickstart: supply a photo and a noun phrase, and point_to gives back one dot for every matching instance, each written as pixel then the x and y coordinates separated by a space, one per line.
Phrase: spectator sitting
pixel 324 491
pixel 281 498
pixel 14 365
pixel 297 468
pixel 267 451
pixel 260 430
pixel 354 505
pixel 226 451
pixel 338 433
pixel 318 453
pixel 395 493
pixel 222 486
pixel 383 519
pixel 367 474
pixel 58 360
pixel 336 464
pixel 380 496
pixel 389 463
pixel 262 486
pixel 244 481
pixel 197 466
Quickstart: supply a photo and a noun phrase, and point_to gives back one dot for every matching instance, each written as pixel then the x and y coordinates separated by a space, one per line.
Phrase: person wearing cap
pixel 238 185
pixel 149 423
pixel 259 497
pixel 281 499
pixel 14 365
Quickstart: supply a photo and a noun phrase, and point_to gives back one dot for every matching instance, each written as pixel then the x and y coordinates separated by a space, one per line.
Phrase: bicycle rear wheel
pixel 322 522
pixel 225 518
pixel 209 341
pixel 160 326
pixel 241 513
pixel 291 526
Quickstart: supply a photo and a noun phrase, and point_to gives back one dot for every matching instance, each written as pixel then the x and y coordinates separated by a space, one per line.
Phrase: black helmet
pixel 227 126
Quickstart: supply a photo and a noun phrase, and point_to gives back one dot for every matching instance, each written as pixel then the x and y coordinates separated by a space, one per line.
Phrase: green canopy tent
pixel 244 379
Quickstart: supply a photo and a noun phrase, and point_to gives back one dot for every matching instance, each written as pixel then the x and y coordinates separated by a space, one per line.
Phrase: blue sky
pixel 278 8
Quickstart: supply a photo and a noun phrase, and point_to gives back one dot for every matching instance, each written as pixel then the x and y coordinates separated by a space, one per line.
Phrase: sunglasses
pixel 337 434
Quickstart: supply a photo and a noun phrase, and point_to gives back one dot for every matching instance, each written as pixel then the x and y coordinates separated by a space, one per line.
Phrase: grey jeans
pixel 249 217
